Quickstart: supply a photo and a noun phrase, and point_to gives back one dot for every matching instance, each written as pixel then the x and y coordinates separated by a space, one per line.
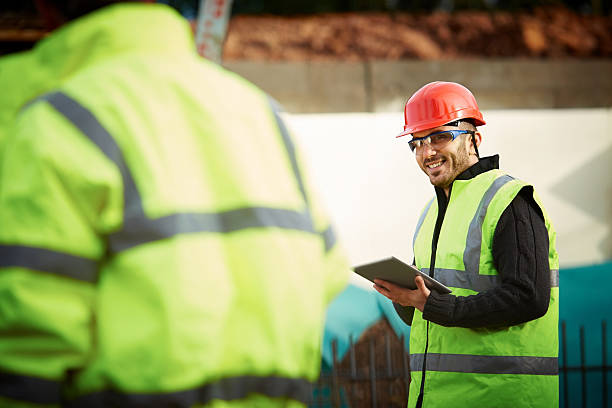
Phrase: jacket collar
pixel 111 31
pixel 483 165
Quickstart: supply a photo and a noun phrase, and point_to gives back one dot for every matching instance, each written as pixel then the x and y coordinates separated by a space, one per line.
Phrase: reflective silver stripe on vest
pixel 554 278
pixel 46 260
pixel 138 229
pixel 329 238
pixel 465 280
pixel 420 222
pixel 30 389
pixel 226 389
pixel 467 363
pixel 474 281
pixel 89 125
pixel 471 255
pixel 288 146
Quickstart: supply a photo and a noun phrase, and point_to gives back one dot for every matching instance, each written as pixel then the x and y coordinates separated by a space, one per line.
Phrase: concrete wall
pixel 374 190
pixel 384 86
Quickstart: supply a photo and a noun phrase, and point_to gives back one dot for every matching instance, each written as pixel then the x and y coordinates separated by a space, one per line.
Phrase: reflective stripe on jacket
pixel 506 367
pixel 160 243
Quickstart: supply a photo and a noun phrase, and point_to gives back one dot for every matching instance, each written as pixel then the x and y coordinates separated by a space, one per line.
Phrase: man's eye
pixel 441 137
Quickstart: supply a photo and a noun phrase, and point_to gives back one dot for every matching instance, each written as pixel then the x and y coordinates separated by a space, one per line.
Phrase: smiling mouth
pixel 435 164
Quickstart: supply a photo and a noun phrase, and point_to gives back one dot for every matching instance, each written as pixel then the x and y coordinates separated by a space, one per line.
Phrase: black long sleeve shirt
pixel 520 255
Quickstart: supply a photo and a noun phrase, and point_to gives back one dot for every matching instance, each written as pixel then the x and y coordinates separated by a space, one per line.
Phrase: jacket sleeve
pixel 57 192
pixel 520 253
pixel 336 266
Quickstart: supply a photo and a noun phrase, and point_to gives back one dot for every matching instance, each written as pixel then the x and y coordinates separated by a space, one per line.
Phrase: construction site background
pixel 384 30
pixel 541 71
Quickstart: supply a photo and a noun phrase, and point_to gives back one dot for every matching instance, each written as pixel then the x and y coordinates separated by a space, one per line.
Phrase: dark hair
pixel 71 9
pixel 456 122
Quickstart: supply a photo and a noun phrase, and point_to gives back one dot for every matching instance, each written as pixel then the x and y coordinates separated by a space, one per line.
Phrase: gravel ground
pixel 543 33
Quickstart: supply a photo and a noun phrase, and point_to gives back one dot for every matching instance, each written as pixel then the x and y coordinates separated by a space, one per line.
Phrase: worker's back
pixel 201 264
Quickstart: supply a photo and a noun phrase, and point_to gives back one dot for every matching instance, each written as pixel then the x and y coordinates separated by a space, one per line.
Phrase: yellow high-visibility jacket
pixel 18 84
pixel 159 242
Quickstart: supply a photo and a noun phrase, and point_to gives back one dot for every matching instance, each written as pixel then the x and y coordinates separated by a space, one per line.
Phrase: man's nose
pixel 427 150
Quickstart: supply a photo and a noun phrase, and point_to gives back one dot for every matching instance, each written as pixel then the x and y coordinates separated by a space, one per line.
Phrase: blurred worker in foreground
pixel 494 340
pixel 160 245
pixel 22 77
pixel 11 67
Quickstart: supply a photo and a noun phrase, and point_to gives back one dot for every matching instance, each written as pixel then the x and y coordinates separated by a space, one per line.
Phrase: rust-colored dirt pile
pixel 545 32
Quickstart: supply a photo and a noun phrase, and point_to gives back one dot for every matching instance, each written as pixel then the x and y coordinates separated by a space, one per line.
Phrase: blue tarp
pixel 351 313
pixel 348 316
pixel 586 300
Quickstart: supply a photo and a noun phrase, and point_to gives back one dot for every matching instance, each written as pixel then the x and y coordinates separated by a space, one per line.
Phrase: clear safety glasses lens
pixel 435 140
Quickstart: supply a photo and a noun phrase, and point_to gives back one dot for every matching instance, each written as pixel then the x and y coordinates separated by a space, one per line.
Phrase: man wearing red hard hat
pixel 493 341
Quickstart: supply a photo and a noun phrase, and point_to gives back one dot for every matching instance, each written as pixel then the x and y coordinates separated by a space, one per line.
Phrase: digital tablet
pixel 395 271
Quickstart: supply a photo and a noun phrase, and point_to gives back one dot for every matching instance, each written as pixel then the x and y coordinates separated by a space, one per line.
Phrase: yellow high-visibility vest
pixel 512 366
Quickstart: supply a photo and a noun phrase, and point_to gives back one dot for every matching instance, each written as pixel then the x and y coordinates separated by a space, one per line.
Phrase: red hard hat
pixel 438 103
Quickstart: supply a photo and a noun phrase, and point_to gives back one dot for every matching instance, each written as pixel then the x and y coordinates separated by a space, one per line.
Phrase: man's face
pixel 443 164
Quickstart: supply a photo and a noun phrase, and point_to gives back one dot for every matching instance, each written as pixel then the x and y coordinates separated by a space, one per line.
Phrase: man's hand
pixel 403 296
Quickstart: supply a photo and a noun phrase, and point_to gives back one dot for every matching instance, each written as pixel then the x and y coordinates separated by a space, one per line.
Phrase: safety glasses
pixel 437 140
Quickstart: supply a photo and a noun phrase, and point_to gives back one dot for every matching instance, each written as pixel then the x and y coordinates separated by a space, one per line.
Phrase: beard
pixel 453 164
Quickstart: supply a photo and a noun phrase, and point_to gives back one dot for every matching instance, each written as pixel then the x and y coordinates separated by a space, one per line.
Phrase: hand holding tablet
pixel 395 271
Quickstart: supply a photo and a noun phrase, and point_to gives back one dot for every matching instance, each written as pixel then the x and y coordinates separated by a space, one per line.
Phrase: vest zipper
pixel 442 205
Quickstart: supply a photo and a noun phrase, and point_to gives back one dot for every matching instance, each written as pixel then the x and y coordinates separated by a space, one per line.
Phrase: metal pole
pixel 583 367
pixel 604 364
pixel 405 369
pixel 389 362
pixel 564 367
pixel 372 373
pixel 211 28
pixel 353 369
pixel 335 388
